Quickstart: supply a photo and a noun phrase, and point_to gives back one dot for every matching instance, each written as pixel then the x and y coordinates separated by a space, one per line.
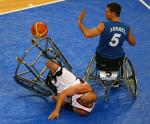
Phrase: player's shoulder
pixel 112 22
pixel 107 23
pixel 125 24
pixel 104 22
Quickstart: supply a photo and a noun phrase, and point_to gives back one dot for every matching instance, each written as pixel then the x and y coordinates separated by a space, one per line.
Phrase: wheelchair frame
pixel 38 85
pixel 130 82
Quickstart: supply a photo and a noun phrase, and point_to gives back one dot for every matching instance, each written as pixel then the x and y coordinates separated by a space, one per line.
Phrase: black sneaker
pixel 115 85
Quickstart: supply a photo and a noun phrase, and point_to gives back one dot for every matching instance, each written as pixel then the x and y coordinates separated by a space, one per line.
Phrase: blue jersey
pixel 112 39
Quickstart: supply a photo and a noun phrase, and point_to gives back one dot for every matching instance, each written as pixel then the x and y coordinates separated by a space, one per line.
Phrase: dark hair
pixel 115 7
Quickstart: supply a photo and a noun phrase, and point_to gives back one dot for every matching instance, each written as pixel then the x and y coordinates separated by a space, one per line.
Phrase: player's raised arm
pixel 87 32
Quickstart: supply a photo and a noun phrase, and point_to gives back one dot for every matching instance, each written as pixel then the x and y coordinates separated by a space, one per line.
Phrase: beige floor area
pixel 12 5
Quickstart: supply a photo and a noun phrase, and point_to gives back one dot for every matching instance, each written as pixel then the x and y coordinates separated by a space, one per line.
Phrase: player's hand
pixel 81 16
pixel 53 115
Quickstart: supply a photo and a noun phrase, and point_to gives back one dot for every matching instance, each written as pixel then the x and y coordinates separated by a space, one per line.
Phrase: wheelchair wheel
pixel 33 86
pixel 30 75
pixel 129 77
pixel 89 69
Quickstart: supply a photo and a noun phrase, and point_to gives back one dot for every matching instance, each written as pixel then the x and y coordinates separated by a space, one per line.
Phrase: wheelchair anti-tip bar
pixel 43 51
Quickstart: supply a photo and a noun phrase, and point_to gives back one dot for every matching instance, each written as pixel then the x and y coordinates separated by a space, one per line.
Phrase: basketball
pixel 39 30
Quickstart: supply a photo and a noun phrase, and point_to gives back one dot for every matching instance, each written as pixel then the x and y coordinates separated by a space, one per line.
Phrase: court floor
pixel 20 106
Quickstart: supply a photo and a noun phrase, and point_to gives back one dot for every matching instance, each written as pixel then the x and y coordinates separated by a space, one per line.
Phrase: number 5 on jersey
pixel 114 40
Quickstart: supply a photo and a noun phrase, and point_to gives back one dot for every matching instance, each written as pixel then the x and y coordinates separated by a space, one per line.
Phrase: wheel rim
pixel 32 86
pixel 129 77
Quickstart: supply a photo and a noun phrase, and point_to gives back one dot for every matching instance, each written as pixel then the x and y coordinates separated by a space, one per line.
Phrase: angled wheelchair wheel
pixel 129 77
pixel 89 70
pixel 31 70
pixel 36 87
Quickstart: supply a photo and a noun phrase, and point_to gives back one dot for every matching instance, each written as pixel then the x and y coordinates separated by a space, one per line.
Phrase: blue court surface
pixel 20 106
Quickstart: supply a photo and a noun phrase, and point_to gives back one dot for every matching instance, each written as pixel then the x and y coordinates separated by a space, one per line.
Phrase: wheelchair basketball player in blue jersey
pixel 112 33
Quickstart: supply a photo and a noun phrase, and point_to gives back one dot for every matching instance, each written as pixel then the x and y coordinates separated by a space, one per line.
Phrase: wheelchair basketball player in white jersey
pixel 73 92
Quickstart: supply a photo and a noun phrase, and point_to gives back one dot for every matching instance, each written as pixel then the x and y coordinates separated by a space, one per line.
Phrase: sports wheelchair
pixel 31 74
pixel 107 76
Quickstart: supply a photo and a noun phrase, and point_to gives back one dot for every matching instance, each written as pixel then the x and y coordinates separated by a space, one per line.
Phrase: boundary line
pixel 30 6
pixel 145 4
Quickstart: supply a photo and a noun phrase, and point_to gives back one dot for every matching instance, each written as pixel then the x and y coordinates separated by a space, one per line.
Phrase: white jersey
pixel 66 80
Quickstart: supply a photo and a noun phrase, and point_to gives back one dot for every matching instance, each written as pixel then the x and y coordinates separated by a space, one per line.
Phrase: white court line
pixel 145 4
pixel 31 6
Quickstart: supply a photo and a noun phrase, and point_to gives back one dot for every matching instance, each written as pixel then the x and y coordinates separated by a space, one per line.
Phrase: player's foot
pixel 116 84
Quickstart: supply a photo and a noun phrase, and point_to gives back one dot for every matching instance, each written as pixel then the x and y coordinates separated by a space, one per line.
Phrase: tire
pixel 35 87
pixel 89 69
pixel 129 77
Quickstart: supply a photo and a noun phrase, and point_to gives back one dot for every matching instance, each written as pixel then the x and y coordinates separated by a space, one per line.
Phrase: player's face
pixel 108 13
pixel 50 64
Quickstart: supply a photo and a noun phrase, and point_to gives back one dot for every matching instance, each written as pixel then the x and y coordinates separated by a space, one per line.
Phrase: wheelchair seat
pixel 106 64
pixel 106 67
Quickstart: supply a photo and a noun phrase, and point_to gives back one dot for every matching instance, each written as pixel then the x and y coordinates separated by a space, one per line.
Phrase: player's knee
pixel 51 65
pixel 93 97
pixel 89 97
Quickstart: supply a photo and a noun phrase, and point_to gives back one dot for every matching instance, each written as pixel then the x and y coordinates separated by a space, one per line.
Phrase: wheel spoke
pixel 129 77
pixel 32 86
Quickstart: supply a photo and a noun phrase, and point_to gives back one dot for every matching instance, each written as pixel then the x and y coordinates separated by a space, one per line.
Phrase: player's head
pixel 52 65
pixel 112 10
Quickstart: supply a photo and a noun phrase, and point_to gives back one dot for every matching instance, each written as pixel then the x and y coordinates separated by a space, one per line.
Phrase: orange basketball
pixel 39 29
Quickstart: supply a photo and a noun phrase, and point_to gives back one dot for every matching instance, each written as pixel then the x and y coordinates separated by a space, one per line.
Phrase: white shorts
pixel 73 100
